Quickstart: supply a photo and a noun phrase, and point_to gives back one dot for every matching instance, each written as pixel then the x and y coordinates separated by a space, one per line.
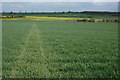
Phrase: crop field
pixel 59 49
pixel 68 15
pixel 41 18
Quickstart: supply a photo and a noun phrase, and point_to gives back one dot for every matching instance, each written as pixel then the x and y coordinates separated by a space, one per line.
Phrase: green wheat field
pixel 59 49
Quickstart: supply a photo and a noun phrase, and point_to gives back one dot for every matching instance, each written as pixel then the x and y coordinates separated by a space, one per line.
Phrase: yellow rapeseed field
pixel 41 18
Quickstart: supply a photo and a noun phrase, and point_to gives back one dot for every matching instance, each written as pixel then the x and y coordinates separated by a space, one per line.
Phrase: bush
pixel 104 20
pixel 92 20
pixel 107 20
pixel 115 20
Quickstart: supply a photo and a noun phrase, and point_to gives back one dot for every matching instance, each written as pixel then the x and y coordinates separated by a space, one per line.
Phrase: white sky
pixel 60 6
pixel 60 0
pixel 108 8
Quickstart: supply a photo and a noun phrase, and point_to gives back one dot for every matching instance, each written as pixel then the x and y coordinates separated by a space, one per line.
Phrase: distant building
pixel 82 20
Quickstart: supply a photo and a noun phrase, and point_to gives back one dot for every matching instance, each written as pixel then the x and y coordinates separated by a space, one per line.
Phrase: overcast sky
pixel 60 0
pixel 59 6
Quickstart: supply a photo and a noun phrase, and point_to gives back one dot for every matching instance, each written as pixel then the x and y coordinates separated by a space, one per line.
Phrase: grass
pixel 0 49
pixel 56 49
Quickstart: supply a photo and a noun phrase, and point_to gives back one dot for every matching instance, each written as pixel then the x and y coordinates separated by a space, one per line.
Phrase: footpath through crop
pixel 32 57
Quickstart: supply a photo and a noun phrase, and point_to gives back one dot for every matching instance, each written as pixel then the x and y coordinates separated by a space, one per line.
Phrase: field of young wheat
pixel 58 49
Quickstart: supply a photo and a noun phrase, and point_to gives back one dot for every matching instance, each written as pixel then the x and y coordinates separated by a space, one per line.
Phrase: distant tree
pixel 115 20
pixel 92 20
pixel 77 12
pixel 69 11
pixel 103 20
pixel 12 14
pixel 107 20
